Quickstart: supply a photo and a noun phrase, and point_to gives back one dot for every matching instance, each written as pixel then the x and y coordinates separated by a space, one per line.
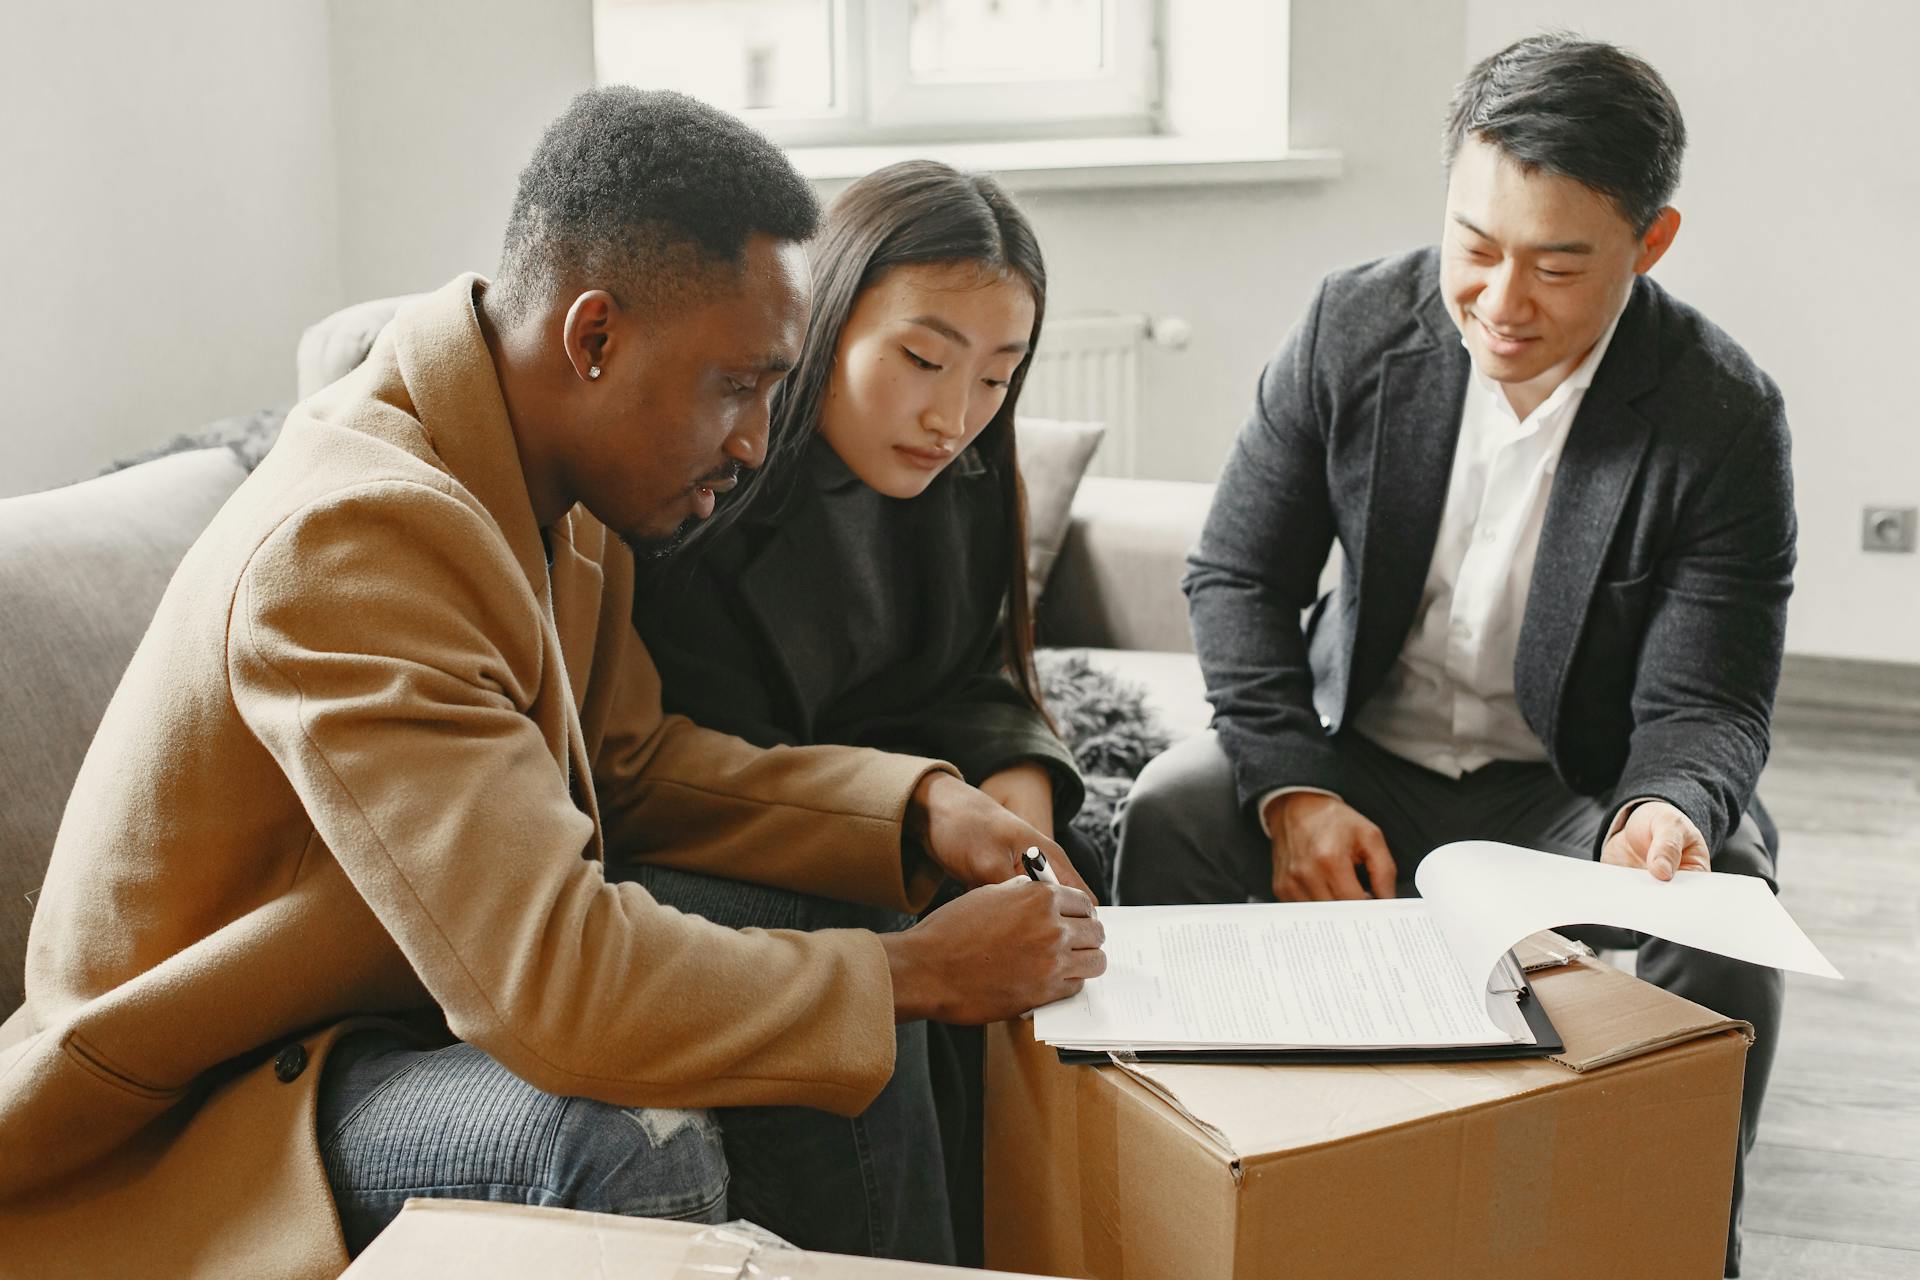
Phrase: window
pixel 816 72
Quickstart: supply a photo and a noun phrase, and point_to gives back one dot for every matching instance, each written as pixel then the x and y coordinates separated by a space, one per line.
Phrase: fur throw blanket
pixel 1106 723
pixel 249 435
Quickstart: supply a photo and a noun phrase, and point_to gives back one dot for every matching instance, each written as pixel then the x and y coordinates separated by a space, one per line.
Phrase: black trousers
pixel 1184 838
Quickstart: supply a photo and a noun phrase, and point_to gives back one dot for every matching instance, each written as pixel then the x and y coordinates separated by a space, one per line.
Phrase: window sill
pixel 1084 164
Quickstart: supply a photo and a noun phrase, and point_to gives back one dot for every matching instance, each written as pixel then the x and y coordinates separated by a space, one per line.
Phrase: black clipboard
pixel 1547 1042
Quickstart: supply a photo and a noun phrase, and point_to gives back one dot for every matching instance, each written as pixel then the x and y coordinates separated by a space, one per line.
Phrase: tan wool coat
pixel 367 761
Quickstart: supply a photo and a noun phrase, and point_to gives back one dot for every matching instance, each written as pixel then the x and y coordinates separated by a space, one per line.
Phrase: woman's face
pixel 922 367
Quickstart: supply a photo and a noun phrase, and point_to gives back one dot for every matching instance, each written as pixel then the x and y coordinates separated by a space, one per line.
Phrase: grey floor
pixel 1835 1181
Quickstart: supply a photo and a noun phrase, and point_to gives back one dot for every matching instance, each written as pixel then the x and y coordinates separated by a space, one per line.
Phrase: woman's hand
pixel 1026 790
pixel 977 840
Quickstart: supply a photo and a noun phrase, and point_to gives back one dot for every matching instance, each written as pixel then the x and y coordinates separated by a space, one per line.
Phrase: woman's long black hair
pixel 921 212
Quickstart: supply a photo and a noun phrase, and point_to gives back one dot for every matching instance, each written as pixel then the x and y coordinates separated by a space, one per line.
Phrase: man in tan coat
pixel 360 775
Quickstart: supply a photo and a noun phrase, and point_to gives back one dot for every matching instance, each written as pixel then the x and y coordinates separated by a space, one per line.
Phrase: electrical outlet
pixel 1888 528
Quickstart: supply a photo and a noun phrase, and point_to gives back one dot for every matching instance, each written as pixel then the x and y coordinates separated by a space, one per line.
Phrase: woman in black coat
pixel 874 591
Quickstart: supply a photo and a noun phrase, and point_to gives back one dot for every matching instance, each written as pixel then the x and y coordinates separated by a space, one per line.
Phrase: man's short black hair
pixel 1580 109
pixel 644 194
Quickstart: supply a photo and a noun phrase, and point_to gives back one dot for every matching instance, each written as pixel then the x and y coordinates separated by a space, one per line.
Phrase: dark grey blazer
pixel 1651 643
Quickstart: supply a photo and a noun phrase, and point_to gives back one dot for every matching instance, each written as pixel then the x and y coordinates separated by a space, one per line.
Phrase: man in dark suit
pixel 1565 505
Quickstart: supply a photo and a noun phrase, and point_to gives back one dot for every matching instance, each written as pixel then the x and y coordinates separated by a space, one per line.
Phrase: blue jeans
pixel 396 1121
pixel 875 1184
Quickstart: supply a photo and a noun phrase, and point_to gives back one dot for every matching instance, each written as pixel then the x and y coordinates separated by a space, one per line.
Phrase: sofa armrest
pixel 1116 584
pixel 82 569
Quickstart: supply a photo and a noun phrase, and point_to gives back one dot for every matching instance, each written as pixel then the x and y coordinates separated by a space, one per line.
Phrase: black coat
pixel 1656 617
pixel 754 633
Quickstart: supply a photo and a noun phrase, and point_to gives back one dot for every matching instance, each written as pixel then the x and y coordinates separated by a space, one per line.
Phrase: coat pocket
pixel 1621 607
pixel 89 1059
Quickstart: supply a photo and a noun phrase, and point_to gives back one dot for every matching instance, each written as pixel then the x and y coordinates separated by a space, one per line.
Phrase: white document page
pixel 1279 975
pixel 1486 896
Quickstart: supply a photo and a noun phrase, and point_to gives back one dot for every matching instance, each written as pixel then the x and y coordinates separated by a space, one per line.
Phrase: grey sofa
pixel 82 569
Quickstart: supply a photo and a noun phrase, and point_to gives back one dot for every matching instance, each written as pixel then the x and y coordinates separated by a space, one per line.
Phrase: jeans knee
pixel 649 1162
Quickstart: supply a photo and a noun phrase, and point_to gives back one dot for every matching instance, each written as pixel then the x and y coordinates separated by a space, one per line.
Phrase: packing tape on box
pixel 740 1250
pixel 1096 1108
pixel 1520 1195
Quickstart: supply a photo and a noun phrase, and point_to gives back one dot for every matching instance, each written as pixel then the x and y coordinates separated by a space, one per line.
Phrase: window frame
pixel 878 101
pixel 1121 99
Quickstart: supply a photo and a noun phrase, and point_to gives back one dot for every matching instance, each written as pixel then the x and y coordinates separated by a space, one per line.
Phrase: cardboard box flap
pixel 1548 950
pixel 478 1241
pixel 1250 1111
pixel 1613 1016
pixel 1603 1015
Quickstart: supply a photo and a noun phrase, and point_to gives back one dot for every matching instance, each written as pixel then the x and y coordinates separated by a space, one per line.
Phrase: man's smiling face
pixel 1534 267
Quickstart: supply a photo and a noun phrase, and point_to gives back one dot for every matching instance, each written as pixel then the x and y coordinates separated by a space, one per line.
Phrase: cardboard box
pixel 480 1241
pixel 1614 1159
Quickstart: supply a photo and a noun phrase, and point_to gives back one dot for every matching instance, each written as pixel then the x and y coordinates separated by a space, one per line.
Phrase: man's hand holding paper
pixel 1660 838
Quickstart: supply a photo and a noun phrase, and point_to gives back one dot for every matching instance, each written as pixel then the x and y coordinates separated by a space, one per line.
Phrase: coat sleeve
pixel 386 650
pixel 1253 572
pixel 1710 659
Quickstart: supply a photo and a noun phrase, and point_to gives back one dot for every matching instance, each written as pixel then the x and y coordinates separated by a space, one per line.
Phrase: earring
pixel 593 371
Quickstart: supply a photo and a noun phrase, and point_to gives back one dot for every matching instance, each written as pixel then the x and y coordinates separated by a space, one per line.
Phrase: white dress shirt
pixel 1448 704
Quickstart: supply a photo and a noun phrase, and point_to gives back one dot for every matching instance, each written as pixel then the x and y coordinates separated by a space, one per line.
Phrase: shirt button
pixel 291 1061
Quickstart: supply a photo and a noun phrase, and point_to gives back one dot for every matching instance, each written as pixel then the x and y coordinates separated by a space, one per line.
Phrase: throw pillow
pixel 1053 457
pixel 332 348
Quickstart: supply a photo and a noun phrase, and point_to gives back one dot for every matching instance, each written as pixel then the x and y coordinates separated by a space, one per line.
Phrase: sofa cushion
pixel 1117 582
pixel 81 570
pixel 1053 457
pixel 332 348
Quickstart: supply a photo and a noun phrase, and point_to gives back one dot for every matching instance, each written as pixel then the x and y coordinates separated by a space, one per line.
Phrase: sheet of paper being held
pixel 1486 896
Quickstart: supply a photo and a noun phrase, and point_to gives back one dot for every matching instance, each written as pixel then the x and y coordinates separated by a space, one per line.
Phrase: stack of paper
pixel 1258 976
pixel 1395 975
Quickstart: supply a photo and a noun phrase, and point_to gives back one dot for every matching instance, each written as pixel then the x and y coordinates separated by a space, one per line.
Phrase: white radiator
pixel 1087 369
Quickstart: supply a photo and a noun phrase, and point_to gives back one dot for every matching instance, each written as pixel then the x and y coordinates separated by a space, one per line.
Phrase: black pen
pixel 1036 864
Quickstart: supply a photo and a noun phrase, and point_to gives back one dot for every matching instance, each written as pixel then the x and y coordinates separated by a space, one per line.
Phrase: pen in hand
pixel 1036 864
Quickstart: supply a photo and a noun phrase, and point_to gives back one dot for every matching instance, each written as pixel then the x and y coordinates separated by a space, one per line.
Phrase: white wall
pixel 187 186
pixel 167 208
pixel 1798 205
pixel 438 104
pixel 1369 77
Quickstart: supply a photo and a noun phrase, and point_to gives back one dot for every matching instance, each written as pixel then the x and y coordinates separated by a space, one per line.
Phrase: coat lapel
pixel 577 585
pixel 1422 386
pixel 449 373
pixel 785 579
pixel 1604 449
